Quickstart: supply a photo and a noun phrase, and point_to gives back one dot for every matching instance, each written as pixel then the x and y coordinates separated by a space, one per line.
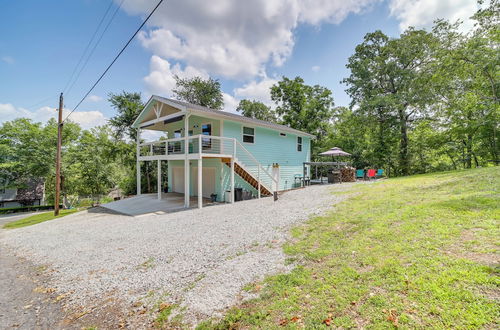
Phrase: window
pixel 206 129
pixel 248 134
pixel 283 134
pixel 177 145
pixel 299 143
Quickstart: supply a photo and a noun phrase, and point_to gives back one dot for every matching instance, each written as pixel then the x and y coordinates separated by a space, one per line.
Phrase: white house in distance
pixel 210 153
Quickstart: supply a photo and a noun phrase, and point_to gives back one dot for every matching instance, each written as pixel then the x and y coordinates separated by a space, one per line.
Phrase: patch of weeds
pixel 148 264
pixel 164 311
pixel 196 280
pixel 236 255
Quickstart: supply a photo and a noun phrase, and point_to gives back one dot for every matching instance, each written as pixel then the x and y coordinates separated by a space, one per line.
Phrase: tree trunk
pixel 404 161
pixel 468 153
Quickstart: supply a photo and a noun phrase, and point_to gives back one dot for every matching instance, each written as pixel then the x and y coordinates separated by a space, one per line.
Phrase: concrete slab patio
pixel 149 203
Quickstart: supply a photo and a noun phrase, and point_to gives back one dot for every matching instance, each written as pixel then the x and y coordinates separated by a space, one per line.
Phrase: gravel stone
pixel 200 259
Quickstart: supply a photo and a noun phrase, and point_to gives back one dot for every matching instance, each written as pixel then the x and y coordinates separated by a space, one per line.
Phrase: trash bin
pixel 238 194
pixel 247 195
pixel 227 196
pixel 213 198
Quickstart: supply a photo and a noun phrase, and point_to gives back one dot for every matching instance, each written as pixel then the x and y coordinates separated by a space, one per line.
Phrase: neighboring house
pixel 224 151
pixel 32 193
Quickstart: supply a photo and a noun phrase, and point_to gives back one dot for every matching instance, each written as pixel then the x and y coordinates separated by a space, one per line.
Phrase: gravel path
pixel 199 259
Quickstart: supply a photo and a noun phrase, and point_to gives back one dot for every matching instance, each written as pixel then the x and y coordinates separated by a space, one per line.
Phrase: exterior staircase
pixel 248 177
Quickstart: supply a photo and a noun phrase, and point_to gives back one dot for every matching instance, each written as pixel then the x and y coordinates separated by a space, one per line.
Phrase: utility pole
pixel 58 156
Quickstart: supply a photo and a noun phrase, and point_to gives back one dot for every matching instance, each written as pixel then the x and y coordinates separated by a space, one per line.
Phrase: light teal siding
pixel 222 177
pixel 269 147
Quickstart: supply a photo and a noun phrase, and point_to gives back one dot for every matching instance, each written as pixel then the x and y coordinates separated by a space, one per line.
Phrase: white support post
pixel 200 149
pixel 186 161
pixel 258 180
pixel 200 190
pixel 138 163
pixel 232 180
pixel 159 179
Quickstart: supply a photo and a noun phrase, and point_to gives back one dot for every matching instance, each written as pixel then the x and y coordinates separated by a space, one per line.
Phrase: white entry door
pixel 178 179
pixel 208 181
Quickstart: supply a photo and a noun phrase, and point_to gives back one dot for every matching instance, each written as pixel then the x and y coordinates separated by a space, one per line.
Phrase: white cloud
pixel 315 68
pixel 234 39
pixel 259 91
pixel 87 119
pixel 8 59
pixel 422 13
pixel 230 103
pixel 161 78
pixel 94 98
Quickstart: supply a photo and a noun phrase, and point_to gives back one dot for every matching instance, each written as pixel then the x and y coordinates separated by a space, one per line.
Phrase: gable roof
pixel 198 109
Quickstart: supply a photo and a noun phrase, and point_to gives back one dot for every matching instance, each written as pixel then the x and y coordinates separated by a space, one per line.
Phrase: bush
pixel 8 210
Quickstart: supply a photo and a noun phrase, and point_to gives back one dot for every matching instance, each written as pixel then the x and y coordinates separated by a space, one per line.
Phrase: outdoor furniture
pixel 380 173
pixel 360 174
pixel 371 173
pixel 334 177
pixel 301 181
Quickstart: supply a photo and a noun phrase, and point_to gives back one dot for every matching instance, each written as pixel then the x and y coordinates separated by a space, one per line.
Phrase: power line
pixel 95 46
pixel 88 45
pixel 114 60
pixel 41 101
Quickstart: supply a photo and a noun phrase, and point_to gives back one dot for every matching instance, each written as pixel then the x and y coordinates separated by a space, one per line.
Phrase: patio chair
pixel 380 173
pixel 371 173
pixel 360 174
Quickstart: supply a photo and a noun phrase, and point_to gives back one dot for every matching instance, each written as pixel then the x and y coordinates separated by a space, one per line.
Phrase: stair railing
pixel 252 166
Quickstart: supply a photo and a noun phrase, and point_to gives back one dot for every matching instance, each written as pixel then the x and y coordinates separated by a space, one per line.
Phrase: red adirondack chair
pixel 371 173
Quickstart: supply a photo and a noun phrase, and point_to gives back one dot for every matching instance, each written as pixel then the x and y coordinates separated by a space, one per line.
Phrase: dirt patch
pixel 472 246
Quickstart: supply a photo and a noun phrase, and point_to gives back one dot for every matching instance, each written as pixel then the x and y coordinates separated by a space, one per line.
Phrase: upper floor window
pixel 299 143
pixel 282 134
pixel 177 134
pixel 248 134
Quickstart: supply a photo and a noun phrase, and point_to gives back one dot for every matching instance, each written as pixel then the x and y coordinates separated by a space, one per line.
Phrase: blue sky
pixel 246 45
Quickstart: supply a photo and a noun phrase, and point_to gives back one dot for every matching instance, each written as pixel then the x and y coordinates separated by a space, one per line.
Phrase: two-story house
pixel 213 152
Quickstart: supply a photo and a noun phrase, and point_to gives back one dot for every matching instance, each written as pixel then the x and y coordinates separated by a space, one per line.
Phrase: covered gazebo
pixel 333 167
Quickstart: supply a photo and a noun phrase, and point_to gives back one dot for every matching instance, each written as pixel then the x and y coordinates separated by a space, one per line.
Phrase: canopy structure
pixel 335 151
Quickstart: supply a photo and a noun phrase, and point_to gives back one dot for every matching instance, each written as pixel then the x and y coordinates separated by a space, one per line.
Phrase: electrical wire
pixel 95 46
pixel 88 46
pixel 114 60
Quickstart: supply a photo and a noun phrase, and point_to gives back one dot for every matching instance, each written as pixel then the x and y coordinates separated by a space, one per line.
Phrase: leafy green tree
pixel 128 106
pixel 28 149
pixel 257 110
pixel 90 166
pixel 304 107
pixel 389 81
pixel 204 92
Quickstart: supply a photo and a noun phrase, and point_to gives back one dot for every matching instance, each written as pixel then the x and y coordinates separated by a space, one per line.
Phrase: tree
pixel 303 107
pixel 257 110
pixel 390 81
pixel 204 92
pixel 128 106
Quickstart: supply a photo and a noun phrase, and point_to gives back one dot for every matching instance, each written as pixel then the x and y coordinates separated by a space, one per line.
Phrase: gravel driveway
pixel 199 259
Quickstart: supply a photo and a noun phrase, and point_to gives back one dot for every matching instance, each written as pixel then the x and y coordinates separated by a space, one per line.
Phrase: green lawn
pixel 415 252
pixel 37 218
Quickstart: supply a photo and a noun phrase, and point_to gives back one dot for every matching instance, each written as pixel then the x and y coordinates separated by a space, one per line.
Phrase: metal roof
pixel 230 116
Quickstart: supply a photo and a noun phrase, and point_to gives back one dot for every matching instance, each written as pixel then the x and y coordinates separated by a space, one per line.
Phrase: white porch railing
pixel 216 146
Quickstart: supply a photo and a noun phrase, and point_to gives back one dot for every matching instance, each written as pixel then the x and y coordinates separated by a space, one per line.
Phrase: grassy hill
pixel 419 251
